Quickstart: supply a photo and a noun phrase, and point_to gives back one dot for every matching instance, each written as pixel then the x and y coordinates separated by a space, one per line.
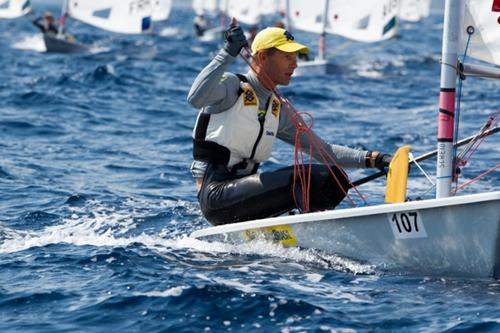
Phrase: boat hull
pixel 313 68
pixel 455 236
pixel 62 45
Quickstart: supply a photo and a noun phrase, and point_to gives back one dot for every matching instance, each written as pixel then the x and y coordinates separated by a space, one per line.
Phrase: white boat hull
pixel 456 236
pixel 313 67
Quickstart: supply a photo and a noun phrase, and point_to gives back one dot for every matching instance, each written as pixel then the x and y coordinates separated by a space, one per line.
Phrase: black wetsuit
pixel 45 26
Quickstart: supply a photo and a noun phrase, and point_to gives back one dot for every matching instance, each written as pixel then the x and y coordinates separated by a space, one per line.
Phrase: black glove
pixel 234 40
pixel 382 161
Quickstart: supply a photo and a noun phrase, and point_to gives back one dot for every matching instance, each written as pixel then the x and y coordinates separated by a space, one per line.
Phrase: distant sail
pixel 161 9
pixel 14 8
pixel 123 16
pixel 413 10
pixel 484 17
pixel 206 6
pixel 250 12
pixel 359 20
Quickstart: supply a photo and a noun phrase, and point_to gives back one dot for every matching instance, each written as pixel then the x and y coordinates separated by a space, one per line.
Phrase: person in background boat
pixel 200 25
pixel 46 23
pixel 239 120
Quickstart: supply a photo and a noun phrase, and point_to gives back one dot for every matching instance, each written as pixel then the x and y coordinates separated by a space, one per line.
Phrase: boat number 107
pixel 407 225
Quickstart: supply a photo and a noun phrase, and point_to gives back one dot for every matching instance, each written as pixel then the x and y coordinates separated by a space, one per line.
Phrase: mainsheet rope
pixel 301 172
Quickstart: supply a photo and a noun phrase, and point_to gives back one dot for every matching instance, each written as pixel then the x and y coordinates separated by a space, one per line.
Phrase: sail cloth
pixel 359 20
pixel 14 8
pixel 211 7
pixel 161 9
pixel 123 16
pixel 414 10
pixel 484 17
pixel 250 12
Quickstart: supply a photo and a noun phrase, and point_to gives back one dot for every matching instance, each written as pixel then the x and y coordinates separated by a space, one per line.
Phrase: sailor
pixel 200 25
pixel 46 23
pixel 240 119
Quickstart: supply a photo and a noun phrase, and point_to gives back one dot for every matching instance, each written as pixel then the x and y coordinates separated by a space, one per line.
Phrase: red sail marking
pixel 496 6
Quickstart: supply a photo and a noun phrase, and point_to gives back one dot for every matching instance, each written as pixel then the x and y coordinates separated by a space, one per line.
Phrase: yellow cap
pixel 278 38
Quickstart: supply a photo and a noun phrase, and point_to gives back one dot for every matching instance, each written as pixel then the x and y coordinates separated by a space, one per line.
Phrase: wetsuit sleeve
pixel 39 24
pixel 214 87
pixel 346 157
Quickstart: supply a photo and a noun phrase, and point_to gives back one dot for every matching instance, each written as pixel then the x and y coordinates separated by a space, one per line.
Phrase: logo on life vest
pixel 275 109
pixel 249 97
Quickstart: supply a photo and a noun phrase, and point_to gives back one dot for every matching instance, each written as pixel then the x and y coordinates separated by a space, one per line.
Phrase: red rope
pixel 300 173
pixel 477 178
pixel 463 160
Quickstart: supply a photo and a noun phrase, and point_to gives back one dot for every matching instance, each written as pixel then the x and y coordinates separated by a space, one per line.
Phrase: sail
pixel 247 12
pixel 413 10
pixel 484 17
pixel 360 20
pixel 161 9
pixel 363 21
pixel 205 6
pixel 123 16
pixel 14 8
pixel 302 16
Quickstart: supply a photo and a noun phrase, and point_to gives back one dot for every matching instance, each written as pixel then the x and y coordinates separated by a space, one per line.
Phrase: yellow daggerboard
pixel 397 176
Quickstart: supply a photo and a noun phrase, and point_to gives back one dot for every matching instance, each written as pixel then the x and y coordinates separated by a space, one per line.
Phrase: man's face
pixel 280 66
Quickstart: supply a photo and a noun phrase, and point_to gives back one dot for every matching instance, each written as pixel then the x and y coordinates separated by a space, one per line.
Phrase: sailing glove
pixel 382 161
pixel 234 40
pixel 379 161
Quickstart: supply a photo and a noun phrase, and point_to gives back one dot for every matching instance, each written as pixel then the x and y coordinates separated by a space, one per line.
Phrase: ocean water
pixel 97 200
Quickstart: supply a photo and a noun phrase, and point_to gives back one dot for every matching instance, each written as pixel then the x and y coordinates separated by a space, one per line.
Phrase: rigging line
pixel 473 180
pixel 478 139
pixel 457 111
pixel 414 160
pixel 428 155
pixel 298 123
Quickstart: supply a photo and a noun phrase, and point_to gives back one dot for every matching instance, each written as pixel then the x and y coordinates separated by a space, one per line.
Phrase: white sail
pixel 14 8
pixel 484 17
pixel 360 20
pixel 205 6
pixel 161 9
pixel 302 16
pixel 414 10
pixel 363 21
pixel 244 11
pixel 249 12
pixel 123 16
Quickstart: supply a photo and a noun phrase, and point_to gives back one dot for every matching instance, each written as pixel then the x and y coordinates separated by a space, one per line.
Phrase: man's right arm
pixel 214 87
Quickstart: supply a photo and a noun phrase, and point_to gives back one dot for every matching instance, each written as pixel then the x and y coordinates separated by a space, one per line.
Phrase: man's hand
pixel 234 39
pixel 375 159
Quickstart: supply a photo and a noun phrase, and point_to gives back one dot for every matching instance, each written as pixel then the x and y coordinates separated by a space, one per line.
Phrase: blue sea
pixel 97 201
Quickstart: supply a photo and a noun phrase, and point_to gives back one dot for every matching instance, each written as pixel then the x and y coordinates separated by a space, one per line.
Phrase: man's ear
pixel 261 57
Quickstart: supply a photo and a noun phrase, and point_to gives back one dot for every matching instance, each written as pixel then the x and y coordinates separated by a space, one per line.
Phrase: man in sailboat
pixel 200 25
pixel 46 23
pixel 240 118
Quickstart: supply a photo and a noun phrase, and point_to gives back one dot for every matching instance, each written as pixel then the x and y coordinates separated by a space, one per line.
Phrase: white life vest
pixel 246 132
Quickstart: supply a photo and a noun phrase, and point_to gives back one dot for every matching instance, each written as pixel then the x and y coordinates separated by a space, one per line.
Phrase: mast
pixel 287 16
pixel 452 31
pixel 322 37
pixel 62 18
